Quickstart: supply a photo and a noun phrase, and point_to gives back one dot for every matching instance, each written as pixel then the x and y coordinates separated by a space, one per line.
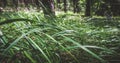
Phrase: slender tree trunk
pixel 48 8
pixel 15 4
pixel 37 4
pixel 88 8
pixel 58 4
pixel 65 5
pixel 115 7
pixel 21 1
pixel 26 2
pixel 4 3
pixel 1 3
pixel 76 7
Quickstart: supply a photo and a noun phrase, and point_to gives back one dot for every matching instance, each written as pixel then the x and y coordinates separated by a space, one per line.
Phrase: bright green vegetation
pixel 64 39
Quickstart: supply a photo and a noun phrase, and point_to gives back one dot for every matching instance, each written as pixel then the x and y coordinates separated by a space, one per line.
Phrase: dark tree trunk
pixel 26 2
pixel 48 8
pixel 21 1
pixel 115 7
pixel 15 4
pixel 76 6
pixel 4 3
pixel 58 4
pixel 88 8
pixel 37 4
pixel 65 5
pixel 110 7
pixel 1 3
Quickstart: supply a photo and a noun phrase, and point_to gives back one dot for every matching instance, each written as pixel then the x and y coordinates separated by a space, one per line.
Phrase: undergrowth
pixel 68 38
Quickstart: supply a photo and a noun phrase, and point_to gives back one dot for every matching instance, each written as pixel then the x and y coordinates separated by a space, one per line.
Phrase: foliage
pixel 64 39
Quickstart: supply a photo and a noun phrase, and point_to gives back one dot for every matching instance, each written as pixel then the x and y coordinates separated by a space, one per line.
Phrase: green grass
pixel 31 38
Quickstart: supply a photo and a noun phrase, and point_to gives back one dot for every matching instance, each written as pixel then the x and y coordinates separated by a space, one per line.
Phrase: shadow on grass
pixel 104 22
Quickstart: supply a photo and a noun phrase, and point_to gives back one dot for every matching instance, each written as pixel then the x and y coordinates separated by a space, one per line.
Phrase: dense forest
pixel 59 31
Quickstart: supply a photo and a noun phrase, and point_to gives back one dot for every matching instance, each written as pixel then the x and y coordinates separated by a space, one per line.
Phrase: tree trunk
pixel 88 8
pixel 65 5
pixel 37 4
pixel 48 8
pixel 15 4
pixel 115 7
pixel 4 3
pixel 26 3
pixel 58 4
pixel 76 7
pixel 21 1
